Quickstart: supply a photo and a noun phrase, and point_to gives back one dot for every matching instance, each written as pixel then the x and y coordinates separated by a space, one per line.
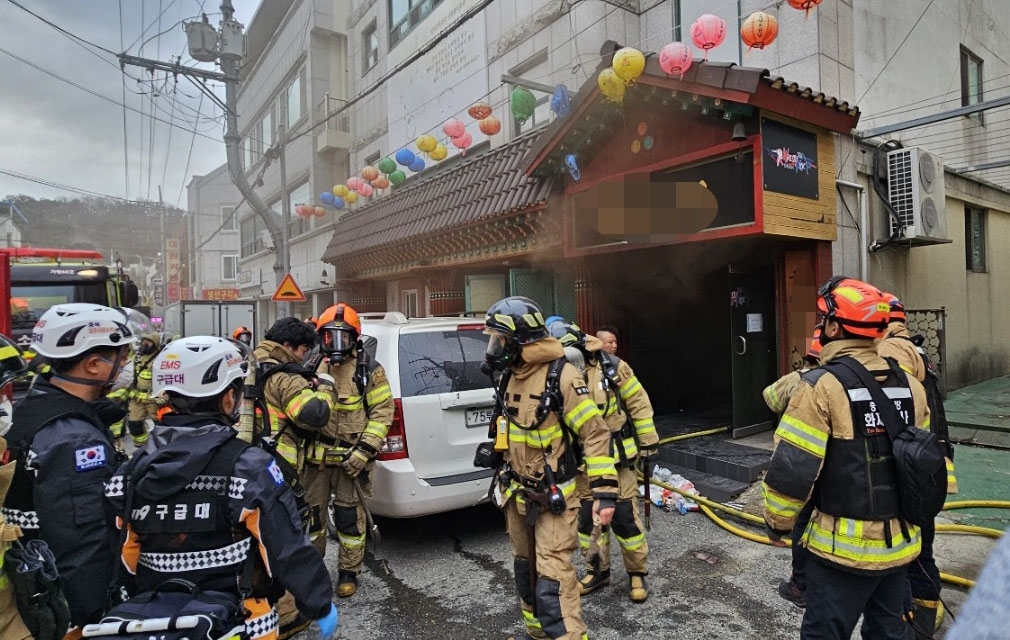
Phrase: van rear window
pixel 442 362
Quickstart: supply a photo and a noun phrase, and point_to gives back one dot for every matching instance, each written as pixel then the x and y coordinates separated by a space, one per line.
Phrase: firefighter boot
pixel 925 617
pixel 594 581
pixel 347 584
pixel 637 588
pixel 300 623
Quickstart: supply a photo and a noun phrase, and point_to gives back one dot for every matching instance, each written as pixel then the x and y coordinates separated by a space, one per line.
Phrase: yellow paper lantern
pixel 351 197
pixel 427 143
pixel 610 85
pixel 439 152
pixel 340 190
pixel 628 64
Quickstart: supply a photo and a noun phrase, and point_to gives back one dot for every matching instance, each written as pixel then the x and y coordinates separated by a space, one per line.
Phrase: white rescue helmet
pixel 197 367
pixel 68 330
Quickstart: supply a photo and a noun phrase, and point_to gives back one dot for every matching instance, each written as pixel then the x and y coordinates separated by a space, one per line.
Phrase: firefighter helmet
pixel 567 333
pixel 897 308
pixel 859 307
pixel 239 332
pixel 518 318
pixel 339 328
pixel 198 367
pixel 814 351
pixel 68 330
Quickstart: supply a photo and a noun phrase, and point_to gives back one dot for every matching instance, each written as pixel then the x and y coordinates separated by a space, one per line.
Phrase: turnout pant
pixel 800 554
pixel 836 598
pixel 626 525
pixel 321 482
pixel 923 575
pixel 559 611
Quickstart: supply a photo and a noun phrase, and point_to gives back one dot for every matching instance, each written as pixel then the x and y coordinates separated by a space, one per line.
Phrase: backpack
pixel 918 454
pixel 934 399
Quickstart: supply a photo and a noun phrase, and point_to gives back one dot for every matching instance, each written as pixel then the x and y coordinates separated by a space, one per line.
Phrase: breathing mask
pixel 501 351
pixel 337 341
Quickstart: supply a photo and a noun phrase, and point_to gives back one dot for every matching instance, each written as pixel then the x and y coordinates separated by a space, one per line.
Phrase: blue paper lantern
pixel 326 198
pixel 561 102
pixel 573 167
pixel 405 157
pixel 338 202
pixel 417 165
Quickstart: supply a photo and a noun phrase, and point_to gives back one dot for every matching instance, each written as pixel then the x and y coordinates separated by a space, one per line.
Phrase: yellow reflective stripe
pixel 536 438
pixel 629 387
pixel 584 540
pixel 925 424
pixel 145 374
pixel 351 403
pixel 531 620
pixel 611 407
pixel 8 352
pixel 378 394
pixel 288 452
pixel 629 446
pixel 859 549
pixel 643 426
pixel 376 429
pixel 780 505
pixel 567 490
pixel 632 543
pixel 349 541
pixel 581 414
pixel 772 399
pixel 568 487
pixel 600 466
pixel 802 436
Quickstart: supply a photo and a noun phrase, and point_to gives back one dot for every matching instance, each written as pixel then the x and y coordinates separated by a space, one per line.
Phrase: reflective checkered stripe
pixel 208 483
pixel 779 504
pixel 581 414
pixel 114 487
pixel 23 519
pixel 228 556
pixel 379 394
pixel 236 486
pixel 263 625
pixel 848 542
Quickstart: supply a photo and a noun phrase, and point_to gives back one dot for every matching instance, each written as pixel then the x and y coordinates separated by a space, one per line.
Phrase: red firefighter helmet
pixel 859 307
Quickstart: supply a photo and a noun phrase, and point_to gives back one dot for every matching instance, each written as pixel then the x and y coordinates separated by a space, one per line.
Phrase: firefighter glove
pixel 354 462
pixel 325 382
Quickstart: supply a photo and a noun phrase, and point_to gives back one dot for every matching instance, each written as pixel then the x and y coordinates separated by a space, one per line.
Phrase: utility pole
pixel 227 47
pixel 285 246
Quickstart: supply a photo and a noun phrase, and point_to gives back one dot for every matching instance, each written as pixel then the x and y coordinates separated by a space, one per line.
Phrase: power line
pixel 185 171
pixel 61 29
pixel 126 140
pixel 895 52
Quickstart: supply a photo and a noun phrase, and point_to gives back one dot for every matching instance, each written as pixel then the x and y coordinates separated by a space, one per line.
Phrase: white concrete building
pixel 213 235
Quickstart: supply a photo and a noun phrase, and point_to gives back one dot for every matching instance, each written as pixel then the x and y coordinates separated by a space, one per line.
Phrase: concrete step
pixel 713 487
pixel 718 456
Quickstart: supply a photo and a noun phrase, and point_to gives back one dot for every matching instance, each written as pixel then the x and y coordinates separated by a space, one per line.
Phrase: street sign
pixel 159 295
pixel 288 291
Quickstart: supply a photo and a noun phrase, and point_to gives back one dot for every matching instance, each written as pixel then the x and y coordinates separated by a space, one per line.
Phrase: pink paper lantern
pixel 366 190
pixel 675 59
pixel 462 142
pixel 708 32
pixel 453 128
pixel 354 182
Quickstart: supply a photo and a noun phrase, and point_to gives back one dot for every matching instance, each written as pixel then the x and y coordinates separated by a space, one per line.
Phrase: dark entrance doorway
pixel 753 344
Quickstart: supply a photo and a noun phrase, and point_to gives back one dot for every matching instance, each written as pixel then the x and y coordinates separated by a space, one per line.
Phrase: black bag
pixel 31 568
pixel 176 610
pixel 918 454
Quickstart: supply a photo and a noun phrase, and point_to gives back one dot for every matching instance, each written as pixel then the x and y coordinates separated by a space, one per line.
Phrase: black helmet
pixel 519 318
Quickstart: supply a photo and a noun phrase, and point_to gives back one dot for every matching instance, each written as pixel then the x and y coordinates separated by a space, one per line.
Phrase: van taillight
pixel 394 447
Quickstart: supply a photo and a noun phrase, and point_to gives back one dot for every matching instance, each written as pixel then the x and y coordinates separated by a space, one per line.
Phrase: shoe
pixel 347 584
pixel 300 623
pixel 925 617
pixel 594 581
pixel 792 593
pixel 532 633
pixel 638 591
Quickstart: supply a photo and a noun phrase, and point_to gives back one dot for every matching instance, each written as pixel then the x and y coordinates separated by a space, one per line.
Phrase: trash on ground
pixel 671 500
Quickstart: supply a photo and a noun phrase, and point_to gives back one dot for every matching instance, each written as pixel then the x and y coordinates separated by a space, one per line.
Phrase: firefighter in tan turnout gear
pixel 546 425
pixel 340 459
pixel 625 406
pixel 140 405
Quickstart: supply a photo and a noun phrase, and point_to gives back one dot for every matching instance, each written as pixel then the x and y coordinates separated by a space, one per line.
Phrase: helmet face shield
pixel 496 344
pixel 337 339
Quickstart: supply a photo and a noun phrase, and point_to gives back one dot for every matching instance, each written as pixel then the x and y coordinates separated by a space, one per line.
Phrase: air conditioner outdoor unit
pixel 915 188
pixel 268 240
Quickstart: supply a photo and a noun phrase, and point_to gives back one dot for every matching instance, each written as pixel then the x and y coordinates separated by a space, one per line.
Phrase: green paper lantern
pixel 397 177
pixel 387 165
pixel 523 104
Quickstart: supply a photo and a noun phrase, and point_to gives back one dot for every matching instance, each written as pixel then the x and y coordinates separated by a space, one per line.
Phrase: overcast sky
pixel 60 133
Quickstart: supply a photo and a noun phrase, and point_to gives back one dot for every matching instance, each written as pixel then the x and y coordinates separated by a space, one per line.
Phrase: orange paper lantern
pixel 490 125
pixel 369 173
pixel 759 30
pixel 804 5
pixel 382 182
pixel 479 110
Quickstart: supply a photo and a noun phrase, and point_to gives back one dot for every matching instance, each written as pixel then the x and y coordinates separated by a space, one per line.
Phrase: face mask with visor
pixel 337 341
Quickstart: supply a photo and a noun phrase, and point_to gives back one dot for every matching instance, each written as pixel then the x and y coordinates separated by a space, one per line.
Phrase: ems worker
pixel 832 447
pixel 243 335
pixel 550 417
pixel 298 406
pixel 777 396
pixel 625 405
pixel 340 459
pixel 235 540
pixel 61 441
pixel 926 608
pixel 141 405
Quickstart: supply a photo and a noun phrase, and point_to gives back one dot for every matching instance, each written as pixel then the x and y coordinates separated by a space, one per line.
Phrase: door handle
pixel 743 345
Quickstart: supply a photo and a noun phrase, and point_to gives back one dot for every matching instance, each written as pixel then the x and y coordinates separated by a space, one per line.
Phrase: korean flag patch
pixel 276 472
pixel 90 458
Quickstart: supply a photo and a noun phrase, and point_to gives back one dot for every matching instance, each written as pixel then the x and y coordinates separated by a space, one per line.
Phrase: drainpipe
pixel 864 220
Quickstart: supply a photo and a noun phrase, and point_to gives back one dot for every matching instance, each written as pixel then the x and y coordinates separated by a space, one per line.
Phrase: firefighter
pixel 339 461
pixel 236 541
pixel 627 411
pixel 897 342
pixel 243 335
pixel 141 405
pixel 608 335
pixel 298 406
pixel 832 446
pixel 61 441
pixel 552 425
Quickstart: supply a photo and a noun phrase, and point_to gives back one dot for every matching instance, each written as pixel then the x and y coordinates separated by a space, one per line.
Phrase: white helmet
pixel 197 367
pixel 68 330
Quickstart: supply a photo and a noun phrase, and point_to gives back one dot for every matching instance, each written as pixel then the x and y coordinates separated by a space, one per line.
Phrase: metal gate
pixel 535 284
pixel 931 324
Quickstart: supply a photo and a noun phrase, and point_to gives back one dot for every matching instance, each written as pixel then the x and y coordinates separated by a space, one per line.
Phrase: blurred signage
pixel 174 292
pixel 159 295
pixel 220 294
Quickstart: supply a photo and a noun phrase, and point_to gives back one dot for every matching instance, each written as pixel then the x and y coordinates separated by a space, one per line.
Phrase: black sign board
pixel 789 159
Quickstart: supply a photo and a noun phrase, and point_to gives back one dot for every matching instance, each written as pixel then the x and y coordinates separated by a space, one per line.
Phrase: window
pixel 971 81
pixel 373 159
pixel 974 239
pixel 410 303
pixel 535 67
pixel 370 46
pixel 442 362
pixel 267 130
pixel 229 267
pixel 295 100
pixel 404 15
pixel 298 195
pixel 229 220
pixel 247 153
pixel 251 235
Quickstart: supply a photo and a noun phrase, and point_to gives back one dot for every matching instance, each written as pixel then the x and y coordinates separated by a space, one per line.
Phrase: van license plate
pixel 478 417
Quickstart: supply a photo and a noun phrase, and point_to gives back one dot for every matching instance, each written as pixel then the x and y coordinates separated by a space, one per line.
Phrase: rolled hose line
pixel 708 506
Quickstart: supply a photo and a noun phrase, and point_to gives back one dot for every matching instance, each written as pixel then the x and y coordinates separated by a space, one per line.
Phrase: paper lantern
pixel 340 190
pixel 462 143
pixel 759 30
pixel 366 190
pixel 628 64
pixel 382 182
pixel 338 202
pixel 397 177
pixel 561 102
pixel 439 152
pixel 300 210
pixel 427 143
pixel 404 157
pixel 490 125
pixel 523 104
pixel 804 5
pixel 675 59
pixel 417 165
pixel 351 197
pixel 369 173
pixel 387 165
pixel 452 128
pixel 319 212
pixel 479 110
pixel 708 32
pixel 326 198
pixel 354 182
pixel 610 85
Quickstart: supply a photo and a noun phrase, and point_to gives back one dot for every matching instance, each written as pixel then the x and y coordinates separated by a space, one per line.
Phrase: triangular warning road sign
pixel 288 291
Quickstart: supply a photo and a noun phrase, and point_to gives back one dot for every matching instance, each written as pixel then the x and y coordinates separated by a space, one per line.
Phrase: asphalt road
pixel 450 576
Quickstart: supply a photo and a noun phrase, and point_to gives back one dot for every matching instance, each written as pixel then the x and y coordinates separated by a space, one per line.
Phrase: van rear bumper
pixel 397 492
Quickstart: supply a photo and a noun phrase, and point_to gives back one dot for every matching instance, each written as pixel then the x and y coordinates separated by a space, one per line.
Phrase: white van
pixel 443 408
